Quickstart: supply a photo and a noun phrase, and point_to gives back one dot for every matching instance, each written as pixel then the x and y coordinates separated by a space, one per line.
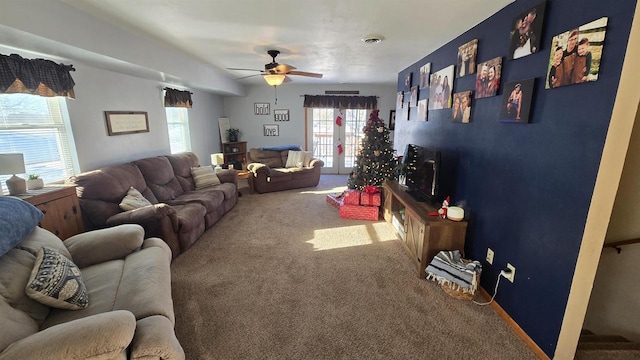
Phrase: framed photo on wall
pixel 488 79
pixel 270 130
pixel 516 101
pixel 392 120
pixel 261 109
pixel 526 31
pixel 126 122
pixel 281 114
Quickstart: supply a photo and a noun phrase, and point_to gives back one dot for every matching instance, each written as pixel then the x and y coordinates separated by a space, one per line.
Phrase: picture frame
pixel 281 114
pixel 126 122
pixel 422 109
pixel 270 130
pixel 413 98
pixel 261 109
pixel 526 32
pixel 516 101
pixel 425 72
pixel 392 120
pixel 407 82
pixel 467 58
pixel 440 89
pixel 488 78
pixel 461 110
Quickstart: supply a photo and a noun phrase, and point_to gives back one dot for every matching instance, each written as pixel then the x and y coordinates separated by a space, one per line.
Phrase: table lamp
pixel 217 160
pixel 13 164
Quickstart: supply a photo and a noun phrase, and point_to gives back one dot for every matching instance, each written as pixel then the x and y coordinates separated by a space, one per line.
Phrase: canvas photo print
pixel 399 99
pixel 526 32
pixel 516 101
pixel 488 78
pixel 413 98
pixel 425 71
pixel 467 58
pixel 440 89
pixel 462 107
pixel 407 82
pixel 422 110
pixel 575 55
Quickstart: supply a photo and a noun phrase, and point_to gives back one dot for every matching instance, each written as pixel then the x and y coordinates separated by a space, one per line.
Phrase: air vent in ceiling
pixel 372 39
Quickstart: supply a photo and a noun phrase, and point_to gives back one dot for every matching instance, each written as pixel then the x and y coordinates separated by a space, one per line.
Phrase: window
pixel 39 128
pixel 178 126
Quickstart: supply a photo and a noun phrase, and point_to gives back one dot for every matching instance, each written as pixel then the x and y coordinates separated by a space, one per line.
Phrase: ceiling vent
pixel 372 39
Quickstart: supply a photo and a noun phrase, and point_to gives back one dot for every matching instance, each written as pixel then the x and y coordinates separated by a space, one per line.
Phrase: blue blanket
pixel 17 219
pixel 281 147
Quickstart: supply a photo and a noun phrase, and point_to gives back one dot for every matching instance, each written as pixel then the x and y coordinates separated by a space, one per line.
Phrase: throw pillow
pixel 17 219
pixel 56 281
pixel 204 177
pixel 133 200
pixel 295 159
pixel 307 158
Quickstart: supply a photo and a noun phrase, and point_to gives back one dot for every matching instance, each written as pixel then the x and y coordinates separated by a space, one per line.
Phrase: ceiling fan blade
pixel 244 69
pixel 286 79
pixel 248 76
pixel 304 73
pixel 284 68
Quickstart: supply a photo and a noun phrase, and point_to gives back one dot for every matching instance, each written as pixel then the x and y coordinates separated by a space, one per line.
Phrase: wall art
pixel 462 107
pixel 413 99
pixel 270 130
pixel 422 109
pixel 261 109
pixel 399 99
pixel 488 78
pixel 440 89
pixel 407 82
pixel 576 54
pixel 516 101
pixel 392 120
pixel 126 122
pixel 281 114
pixel 425 71
pixel 526 31
pixel 467 58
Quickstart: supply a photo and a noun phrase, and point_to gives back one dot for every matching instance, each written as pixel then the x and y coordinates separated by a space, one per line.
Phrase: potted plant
pixel 34 182
pixel 233 134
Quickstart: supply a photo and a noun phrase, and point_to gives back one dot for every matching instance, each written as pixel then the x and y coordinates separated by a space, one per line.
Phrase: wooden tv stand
pixel 423 236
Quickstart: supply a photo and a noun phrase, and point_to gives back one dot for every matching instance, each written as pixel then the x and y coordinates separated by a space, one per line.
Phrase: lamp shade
pixel 274 80
pixel 11 164
pixel 217 159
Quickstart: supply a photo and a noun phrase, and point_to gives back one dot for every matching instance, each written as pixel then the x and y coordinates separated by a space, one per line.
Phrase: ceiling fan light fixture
pixel 372 39
pixel 274 80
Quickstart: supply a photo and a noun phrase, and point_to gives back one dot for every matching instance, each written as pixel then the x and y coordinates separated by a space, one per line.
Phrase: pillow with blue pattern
pixel 17 219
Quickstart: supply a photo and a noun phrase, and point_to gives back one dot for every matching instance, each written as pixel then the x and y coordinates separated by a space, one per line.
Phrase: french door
pixel 325 135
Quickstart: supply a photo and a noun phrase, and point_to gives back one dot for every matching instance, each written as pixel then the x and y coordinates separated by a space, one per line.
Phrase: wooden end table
pixel 244 174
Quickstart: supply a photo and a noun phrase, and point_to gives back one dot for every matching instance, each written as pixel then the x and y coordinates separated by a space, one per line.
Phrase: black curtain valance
pixel 177 98
pixel 341 102
pixel 35 76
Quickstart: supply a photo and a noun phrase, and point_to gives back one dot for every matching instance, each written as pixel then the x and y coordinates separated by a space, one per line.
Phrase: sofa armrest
pixel 103 336
pixel 228 176
pixel 258 168
pixel 156 339
pixel 147 214
pixel 316 163
pixel 156 242
pixel 102 245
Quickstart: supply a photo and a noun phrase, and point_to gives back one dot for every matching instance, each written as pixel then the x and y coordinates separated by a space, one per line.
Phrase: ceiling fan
pixel 275 74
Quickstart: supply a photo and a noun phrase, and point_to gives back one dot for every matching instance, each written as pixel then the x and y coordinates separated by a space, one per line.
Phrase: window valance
pixel 177 98
pixel 35 76
pixel 341 102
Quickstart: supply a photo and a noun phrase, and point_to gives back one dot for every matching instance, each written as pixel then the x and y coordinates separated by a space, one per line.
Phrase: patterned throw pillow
pixel 204 177
pixel 133 200
pixel 56 281
pixel 295 159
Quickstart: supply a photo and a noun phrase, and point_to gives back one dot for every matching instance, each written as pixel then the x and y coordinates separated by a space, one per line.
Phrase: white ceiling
pixel 321 36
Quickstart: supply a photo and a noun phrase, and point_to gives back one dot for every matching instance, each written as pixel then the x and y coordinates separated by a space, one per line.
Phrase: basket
pixel 457 291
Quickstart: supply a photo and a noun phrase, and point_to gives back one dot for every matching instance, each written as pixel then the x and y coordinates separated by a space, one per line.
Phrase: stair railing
pixel 618 244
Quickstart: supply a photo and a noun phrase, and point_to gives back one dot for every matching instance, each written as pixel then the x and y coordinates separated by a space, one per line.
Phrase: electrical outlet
pixel 489 256
pixel 512 275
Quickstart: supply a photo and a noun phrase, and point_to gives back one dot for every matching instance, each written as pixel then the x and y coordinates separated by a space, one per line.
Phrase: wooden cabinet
pixel 234 152
pixel 60 207
pixel 423 236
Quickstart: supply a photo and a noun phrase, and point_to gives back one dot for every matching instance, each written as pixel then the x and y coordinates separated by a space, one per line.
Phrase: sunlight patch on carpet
pixel 350 236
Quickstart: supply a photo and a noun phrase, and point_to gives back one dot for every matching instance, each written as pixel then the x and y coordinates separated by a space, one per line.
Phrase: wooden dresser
pixel 60 207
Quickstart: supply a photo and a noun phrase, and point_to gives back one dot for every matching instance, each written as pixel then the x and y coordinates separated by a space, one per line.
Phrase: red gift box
pixel 351 197
pixel 335 200
pixel 359 212
pixel 370 199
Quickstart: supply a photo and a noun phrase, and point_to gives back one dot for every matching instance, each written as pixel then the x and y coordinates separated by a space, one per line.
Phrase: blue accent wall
pixel 526 187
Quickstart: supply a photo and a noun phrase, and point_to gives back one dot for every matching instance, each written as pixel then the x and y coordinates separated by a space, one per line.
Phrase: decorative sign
pixel 126 122
pixel 261 109
pixel 281 114
pixel 271 130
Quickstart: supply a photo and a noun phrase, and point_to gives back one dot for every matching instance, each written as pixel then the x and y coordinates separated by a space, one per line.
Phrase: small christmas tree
pixel 375 161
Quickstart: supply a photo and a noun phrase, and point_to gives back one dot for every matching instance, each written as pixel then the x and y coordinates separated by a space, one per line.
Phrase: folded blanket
pixel 447 267
pixel 281 147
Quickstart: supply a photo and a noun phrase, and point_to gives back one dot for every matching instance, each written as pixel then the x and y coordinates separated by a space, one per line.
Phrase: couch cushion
pixel 204 177
pixel 182 164
pixel 268 157
pixel 295 159
pixel 159 175
pixel 56 281
pixel 133 200
pixel 280 175
pixel 17 219
pixel 209 198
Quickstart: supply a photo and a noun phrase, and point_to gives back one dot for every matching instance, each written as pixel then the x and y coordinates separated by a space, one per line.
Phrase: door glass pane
pixel 355 120
pixel 323 145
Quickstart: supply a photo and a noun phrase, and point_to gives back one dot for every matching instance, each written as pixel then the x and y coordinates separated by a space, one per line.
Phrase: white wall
pixel 239 110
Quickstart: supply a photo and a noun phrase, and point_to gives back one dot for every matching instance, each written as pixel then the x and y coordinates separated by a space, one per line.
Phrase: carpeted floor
pixel 283 277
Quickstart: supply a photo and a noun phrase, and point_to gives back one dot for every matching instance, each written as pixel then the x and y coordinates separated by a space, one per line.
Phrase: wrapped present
pixel 351 197
pixel 335 200
pixel 370 196
pixel 359 212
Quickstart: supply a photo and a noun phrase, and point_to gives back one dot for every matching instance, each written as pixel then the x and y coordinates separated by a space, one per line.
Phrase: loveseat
pixel 274 170
pixel 104 294
pixel 176 212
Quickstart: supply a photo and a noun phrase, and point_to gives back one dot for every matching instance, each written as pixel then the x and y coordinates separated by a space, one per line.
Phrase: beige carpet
pixel 283 277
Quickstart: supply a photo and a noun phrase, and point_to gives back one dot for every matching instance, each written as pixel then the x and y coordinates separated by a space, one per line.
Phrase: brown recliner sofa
pixel 179 213
pixel 270 174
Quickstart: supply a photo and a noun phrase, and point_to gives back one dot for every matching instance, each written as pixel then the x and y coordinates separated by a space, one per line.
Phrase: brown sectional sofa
pixel 270 174
pixel 179 214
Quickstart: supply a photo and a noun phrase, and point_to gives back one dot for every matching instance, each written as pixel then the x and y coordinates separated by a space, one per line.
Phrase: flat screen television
pixel 422 173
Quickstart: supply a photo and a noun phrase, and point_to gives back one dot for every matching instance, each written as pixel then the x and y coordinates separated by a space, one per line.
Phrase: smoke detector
pixel 372 39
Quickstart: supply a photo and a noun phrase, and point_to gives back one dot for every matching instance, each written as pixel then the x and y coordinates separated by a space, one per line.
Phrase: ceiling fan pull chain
pixel 275 91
